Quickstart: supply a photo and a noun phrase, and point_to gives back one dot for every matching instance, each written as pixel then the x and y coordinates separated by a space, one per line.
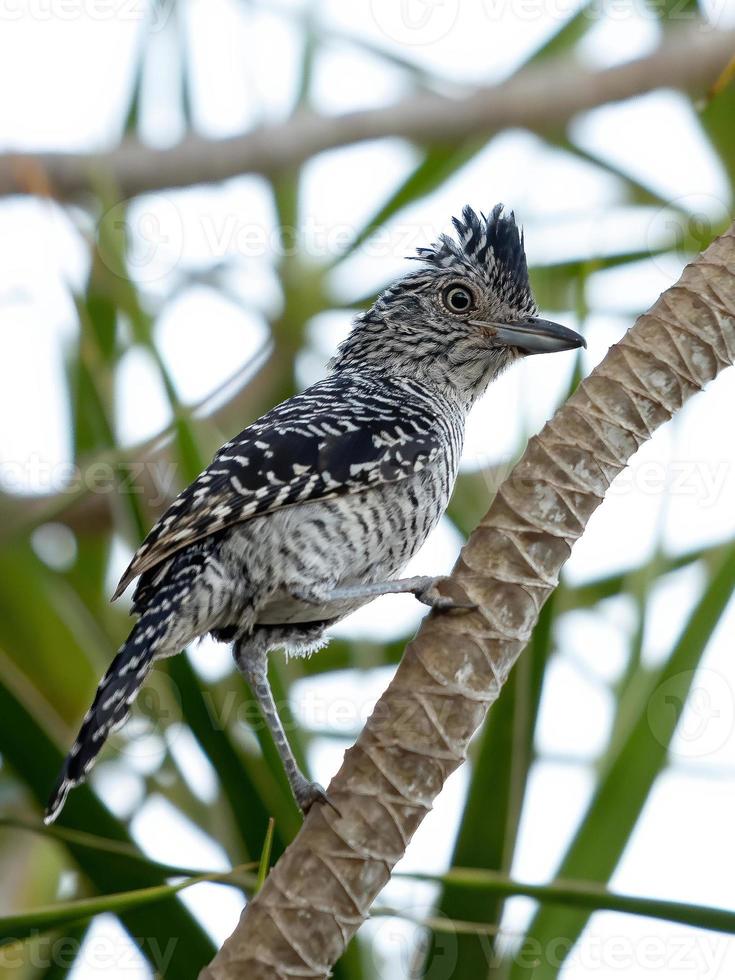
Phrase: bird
pixel 315 509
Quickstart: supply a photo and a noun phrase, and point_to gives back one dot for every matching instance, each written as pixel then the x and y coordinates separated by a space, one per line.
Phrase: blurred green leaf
pixel 36 760
pixel 672 10
pixel 24 924
pixel 265 857
pixel 587 594
pixel 576 894
pixel 46 632
pixel 93 842
pixel 66 950
pixel 717 123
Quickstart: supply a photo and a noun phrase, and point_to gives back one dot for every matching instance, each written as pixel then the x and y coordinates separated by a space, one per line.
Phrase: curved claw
pixel 431 596
pixel 442 602
pixel 310 793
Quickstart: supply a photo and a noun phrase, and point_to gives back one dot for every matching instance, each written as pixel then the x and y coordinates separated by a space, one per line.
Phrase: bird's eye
pixel 458 299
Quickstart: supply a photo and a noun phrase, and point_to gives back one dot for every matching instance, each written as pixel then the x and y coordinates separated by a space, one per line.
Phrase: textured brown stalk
pixel 322 888
pixel 544 98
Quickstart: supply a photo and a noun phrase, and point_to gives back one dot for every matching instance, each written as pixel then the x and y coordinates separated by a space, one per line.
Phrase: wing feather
pixel 338 437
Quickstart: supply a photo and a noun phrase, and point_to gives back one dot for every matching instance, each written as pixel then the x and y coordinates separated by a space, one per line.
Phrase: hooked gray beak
pixel 533 335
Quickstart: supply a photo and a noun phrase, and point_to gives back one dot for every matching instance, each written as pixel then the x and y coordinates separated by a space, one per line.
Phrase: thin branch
pixel 541 98
pixel 321 890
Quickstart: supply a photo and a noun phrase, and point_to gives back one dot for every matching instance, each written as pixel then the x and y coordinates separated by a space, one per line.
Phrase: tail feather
pixel 161 629
pixel 111 706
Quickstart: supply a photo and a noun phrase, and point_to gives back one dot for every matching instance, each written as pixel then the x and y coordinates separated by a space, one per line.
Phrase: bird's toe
pixel 309 793
pixel 431 596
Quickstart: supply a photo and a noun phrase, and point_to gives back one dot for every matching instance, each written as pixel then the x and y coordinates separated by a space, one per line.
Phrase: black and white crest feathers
pixel 488 242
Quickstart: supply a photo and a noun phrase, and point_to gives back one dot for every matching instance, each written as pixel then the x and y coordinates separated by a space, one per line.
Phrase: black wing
pixel 343 435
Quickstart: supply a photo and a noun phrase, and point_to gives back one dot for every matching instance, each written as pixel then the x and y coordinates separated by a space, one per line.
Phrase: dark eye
pixel 458 299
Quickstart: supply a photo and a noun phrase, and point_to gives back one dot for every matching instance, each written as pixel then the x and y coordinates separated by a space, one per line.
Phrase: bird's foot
pixel 308 793
pixel 429 594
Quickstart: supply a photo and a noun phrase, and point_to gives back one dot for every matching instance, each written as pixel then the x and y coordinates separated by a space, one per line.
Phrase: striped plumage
pixel 318 506
pixel 345 434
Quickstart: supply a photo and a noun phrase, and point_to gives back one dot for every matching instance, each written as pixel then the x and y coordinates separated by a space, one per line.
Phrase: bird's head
pixel 463 316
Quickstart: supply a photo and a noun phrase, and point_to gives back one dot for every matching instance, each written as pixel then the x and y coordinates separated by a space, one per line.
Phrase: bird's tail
pixel 165 626
pixel 111 705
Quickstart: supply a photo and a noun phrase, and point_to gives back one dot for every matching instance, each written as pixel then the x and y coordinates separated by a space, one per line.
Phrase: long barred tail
pixel 110 708
pixel 170 617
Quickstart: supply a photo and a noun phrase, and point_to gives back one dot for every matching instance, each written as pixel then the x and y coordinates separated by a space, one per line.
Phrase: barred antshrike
pixel 314 509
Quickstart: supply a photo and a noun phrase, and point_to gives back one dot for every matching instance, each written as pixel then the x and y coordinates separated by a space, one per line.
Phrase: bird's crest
pixel 493 243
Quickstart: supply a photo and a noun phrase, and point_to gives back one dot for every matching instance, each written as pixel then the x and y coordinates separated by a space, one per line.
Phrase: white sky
pixel 69 65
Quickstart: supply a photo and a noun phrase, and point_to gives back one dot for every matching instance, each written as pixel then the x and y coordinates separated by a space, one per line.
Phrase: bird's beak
pixel 533 335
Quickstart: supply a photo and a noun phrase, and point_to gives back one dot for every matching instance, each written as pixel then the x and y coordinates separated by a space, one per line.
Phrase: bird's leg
pixel 424 587
pixel 252 662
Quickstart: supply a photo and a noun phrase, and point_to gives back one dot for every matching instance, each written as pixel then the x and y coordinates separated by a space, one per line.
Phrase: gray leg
pixel 252 662
pixel 424 587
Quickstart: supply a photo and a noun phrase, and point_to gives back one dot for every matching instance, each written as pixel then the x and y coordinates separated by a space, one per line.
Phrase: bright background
pixel 612 209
